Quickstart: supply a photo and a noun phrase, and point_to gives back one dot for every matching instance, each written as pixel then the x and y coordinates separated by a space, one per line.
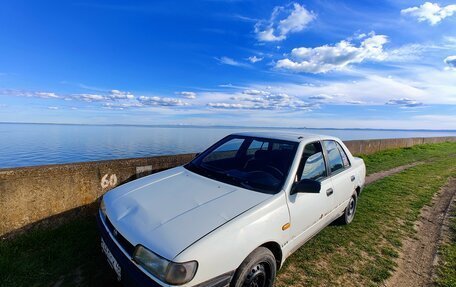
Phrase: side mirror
pixel 306 186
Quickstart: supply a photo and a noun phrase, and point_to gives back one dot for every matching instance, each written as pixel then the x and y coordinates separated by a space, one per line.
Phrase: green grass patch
pixel 446 271
pixel 388 159
pixel 68 255
pixel 361 254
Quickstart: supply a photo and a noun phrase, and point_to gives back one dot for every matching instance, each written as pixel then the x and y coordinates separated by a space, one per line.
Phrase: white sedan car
pixel 232 215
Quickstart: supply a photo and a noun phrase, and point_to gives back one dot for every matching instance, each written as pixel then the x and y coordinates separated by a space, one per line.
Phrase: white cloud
pixel 296 21
pixel 53 108
pixel 254 59
pixel 46 95
pixel 278 97
pixel 122 106
pixel 159 101
pixel 267 35
pixel 408 52
pixel 298 105
pixel 90 97
pixel 353 102
pixel 451 62
pixel 322 97
pixel 404 102
pixel 260 100
pixel 113 99
pixel 228 106
pixel 244 18
pixel 116 94
pixel 187 95
pixel 327 58
pixel 113 95
pixel 422 83
pixel 284 20
pixel 249 99
pixel 231 62
pixel 254 92
pixel 431 12
pixel 30 94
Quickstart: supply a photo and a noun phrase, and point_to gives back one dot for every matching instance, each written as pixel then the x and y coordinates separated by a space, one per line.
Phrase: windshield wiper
pixel 238 181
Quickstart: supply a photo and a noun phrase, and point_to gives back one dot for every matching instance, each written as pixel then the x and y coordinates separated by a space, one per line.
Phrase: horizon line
pixel 226 126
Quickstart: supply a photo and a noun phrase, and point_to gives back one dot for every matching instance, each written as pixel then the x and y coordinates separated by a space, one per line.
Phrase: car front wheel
pixel 257 270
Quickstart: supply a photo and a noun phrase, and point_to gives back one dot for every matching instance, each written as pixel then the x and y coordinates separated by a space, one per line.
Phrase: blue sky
pixel 362 64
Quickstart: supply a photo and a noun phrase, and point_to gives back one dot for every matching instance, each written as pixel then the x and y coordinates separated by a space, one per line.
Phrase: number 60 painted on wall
pixel 108 181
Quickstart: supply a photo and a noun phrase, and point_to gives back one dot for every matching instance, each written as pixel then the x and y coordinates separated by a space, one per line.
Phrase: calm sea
pixel 38 144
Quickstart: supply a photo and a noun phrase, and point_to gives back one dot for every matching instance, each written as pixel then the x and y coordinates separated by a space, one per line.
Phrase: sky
pixel 331 64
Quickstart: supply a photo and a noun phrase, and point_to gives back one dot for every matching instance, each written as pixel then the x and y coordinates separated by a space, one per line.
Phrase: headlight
pixel 103 208
pixel 165 270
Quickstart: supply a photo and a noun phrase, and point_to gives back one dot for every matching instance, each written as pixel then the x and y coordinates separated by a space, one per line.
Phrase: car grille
pixel 121 240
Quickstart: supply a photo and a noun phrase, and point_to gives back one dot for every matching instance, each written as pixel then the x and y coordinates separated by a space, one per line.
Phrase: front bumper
pixel 131 274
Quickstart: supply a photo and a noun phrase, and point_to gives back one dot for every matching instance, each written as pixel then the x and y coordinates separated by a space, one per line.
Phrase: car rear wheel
pixel 350 210
pixel 257 270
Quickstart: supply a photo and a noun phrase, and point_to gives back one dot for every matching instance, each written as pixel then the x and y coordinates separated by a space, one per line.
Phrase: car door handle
pixel 352 178
pixel 329 191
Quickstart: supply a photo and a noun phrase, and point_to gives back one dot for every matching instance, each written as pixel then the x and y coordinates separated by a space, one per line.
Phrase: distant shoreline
pixel 226 127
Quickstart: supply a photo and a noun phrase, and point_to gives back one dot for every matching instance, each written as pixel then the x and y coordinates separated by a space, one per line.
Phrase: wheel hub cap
pixel 257 277
pixel 351 208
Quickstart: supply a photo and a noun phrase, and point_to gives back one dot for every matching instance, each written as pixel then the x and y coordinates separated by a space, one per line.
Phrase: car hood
pixel 168 211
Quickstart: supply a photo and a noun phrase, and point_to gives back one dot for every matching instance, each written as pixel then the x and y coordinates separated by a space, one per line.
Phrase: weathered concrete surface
pixel 30 194
pixel 34 195
pixel 372 146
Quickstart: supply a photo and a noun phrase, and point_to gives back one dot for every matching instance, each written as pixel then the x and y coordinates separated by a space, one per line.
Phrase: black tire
pixel 257 270
pixel 350 211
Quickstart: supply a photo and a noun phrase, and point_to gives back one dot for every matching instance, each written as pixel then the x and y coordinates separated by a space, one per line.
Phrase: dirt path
pixel 379 175
pixel 416 261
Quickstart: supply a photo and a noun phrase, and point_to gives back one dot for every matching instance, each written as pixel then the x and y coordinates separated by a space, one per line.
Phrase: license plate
pixel 111 260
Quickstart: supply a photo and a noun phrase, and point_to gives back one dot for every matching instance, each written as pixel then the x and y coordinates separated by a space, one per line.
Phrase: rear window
pixel 335 160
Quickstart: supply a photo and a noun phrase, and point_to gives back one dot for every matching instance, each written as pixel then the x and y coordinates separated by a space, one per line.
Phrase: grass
pixel 361 254
pixel 388 159
pixel 65 256
pixel 446 272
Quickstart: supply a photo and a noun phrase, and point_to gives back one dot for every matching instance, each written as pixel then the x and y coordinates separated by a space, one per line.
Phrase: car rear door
pixel 341 174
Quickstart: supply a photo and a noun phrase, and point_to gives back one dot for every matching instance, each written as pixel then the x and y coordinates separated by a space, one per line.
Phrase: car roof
pixel 286 135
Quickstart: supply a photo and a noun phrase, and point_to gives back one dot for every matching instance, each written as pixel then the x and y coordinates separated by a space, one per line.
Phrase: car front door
pixel 340 171
pixel 309 211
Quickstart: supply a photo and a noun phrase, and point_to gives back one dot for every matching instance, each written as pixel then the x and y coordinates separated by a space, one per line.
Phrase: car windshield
pixel 259 164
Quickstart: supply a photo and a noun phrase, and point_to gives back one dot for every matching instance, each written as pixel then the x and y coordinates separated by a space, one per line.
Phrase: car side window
pixel 256 145
pixel 344 155
pixel 312 163
pixel 334 158
pixel 282 146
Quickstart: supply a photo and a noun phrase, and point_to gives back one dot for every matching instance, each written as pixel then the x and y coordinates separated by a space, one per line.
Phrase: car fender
pixel 224 249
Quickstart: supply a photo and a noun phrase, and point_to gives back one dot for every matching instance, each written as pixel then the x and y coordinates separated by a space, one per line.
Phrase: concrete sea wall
pixel 43 195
